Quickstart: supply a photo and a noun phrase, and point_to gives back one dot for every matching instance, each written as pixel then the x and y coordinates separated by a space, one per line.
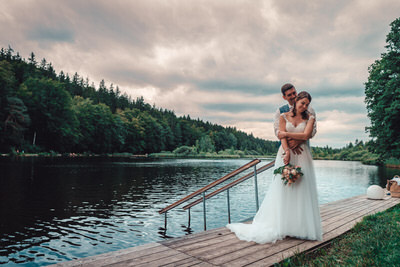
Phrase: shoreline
pixel 162 156
pixel 393 166
pixel 127 155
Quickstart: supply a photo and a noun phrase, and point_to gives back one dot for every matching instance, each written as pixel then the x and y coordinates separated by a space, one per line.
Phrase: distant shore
pixel 129 155
pixel 168 155
pixel 73 155
pixel 393 166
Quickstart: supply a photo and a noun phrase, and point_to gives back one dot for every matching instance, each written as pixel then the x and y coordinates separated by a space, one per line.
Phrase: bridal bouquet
pixel 289 173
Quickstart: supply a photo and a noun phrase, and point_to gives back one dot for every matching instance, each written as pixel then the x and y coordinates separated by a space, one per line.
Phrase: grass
pixel 375 241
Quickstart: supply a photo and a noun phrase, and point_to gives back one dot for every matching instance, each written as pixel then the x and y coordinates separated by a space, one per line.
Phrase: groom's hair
pixel 285 87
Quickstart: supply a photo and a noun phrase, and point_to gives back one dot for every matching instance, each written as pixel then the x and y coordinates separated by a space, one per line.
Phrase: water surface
pixel 55 209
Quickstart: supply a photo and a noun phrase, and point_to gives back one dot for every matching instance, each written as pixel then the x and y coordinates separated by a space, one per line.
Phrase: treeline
pixel 41 110
pixel 359 151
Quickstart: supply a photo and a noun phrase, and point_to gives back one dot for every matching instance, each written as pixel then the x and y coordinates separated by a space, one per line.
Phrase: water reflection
pixel 60 209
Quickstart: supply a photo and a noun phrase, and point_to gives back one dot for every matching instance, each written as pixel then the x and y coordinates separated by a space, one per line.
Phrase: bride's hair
pixel 301 95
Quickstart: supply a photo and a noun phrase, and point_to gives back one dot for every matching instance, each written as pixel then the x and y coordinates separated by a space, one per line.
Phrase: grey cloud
pixel 350 108
pixel 325 89
pixel 45 34
pixel 142 77
pixel 236 108
pixel 229 121
pixel 250 87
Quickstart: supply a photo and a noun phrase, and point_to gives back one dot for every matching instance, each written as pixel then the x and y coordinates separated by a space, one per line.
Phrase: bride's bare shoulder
pixel 287 114
pixel 310 116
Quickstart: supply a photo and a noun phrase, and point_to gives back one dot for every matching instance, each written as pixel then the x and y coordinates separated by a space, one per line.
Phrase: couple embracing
pixel 289 210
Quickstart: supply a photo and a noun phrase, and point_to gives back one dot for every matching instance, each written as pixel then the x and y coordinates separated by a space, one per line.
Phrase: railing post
pixel 256 186
pixel 165 220
pixel 229 206
pixel 204 210
pixel 189 218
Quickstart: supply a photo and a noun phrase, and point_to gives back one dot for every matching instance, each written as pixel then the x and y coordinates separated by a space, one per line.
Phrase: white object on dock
pixel 375 192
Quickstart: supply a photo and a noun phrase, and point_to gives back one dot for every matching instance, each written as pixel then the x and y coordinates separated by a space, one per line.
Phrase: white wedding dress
pixel 287 210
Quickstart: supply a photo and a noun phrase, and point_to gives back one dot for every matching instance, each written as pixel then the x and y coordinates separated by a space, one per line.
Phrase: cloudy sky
pixel 220 61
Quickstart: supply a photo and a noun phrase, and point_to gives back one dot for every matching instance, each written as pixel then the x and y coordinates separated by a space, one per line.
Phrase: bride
pixel 288 210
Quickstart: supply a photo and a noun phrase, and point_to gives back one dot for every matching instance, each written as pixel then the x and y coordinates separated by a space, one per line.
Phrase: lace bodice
pixel 298 128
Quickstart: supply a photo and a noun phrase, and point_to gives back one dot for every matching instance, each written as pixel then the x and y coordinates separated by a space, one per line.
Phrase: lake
pixel 58 209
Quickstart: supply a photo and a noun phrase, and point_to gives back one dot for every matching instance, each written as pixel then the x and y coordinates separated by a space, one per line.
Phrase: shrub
pixel 185 151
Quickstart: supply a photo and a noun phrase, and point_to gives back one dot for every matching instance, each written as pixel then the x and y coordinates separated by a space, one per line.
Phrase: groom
pixel 289 94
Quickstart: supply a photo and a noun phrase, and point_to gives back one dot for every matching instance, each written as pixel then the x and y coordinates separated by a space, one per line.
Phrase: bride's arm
pixel 304 135
pixel 282 128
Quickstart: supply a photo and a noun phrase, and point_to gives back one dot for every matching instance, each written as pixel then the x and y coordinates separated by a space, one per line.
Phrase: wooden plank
pixel 245 252
pixel 350 211
pixel 281 255
pixel 342 219
pixel 203 264
pixel 365 205
pixel 183 263
pixel 352 220
pixel 220 246
pixel 129 253
pixel 159 261
pixel 261 252
pixel 339 210
pixel 229 247
pixel 358 201
pixel 205 243
pixel 344 203
pixel 154 259
pixel 211 232
pixel 333 203
pixel 331 210
pixel 199 238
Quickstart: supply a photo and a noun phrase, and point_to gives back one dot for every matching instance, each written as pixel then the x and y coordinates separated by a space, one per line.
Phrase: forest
pixel 42 111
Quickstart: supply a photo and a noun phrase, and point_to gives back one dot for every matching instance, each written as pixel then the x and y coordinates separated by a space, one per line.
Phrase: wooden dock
pixel 220 247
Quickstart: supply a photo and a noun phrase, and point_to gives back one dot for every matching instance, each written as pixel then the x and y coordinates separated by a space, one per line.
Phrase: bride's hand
pixel 286 157
pixel 281 134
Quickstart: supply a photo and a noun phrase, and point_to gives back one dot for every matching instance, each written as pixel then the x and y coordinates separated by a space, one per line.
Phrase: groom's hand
pixel 294 146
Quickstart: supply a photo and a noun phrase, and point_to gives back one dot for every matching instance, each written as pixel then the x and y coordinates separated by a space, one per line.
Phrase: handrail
pixel 216 182
pixel 232 184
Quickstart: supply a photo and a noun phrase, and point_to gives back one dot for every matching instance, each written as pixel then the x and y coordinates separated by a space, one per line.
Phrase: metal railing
pixel 226 188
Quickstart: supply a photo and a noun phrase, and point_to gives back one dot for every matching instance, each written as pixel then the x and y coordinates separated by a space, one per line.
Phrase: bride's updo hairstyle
pixel 301 95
